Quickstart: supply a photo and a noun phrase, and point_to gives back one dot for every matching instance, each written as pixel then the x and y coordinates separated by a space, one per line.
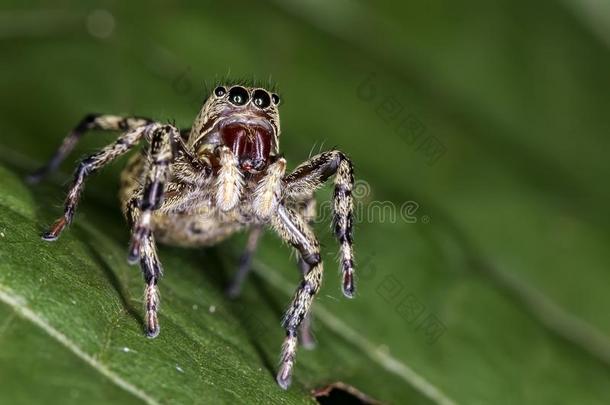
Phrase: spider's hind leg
pixel 245 263
pixel 90 122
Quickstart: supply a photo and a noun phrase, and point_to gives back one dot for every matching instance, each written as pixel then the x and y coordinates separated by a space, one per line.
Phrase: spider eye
pixel 261 98
pixel 275 98
pixel 238 95
pixel 220 91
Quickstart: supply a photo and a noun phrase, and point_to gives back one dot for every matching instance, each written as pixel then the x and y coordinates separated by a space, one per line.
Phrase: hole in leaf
pixel 339 393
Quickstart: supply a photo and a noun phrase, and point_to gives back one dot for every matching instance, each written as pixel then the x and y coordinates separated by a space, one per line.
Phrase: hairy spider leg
pixel 142 246
pixel 309 176
pixel 292 228
pixel 85 168
pixel 160 155
pixel 105 122
pixel 245 262
pixel 307 209
pixel 305 334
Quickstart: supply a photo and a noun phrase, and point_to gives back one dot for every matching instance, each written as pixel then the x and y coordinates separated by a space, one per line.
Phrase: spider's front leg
pixel 292 227
pixel 142 246
pixel 308 177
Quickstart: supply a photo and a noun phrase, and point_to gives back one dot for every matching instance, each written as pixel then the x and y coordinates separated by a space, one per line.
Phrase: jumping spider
pixel 197 187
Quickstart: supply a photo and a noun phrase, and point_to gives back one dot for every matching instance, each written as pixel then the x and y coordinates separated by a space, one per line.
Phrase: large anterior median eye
pixel 238 95
pixel 261 98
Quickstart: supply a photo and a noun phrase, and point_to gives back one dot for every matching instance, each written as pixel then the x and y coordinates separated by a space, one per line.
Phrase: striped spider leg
pixel 103 122
pixel 293 227
pixel 162 140
pixel 245 262
pixel 311 175
pixel 308 210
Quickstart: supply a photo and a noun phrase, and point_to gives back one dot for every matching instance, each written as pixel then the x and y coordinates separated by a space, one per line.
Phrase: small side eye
pixel 220 91
pixel 275 98
pixel 261 98
pixel 238 95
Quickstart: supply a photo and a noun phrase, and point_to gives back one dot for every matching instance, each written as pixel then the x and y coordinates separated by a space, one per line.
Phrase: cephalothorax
pixel 197 187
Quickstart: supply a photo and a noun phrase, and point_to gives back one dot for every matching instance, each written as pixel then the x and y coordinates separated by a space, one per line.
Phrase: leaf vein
pixel 20 307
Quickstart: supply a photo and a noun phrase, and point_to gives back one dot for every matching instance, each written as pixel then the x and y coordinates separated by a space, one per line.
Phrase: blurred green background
pixel 487 120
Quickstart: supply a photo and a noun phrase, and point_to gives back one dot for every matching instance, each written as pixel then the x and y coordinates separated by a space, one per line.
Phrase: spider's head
pixel 246 119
